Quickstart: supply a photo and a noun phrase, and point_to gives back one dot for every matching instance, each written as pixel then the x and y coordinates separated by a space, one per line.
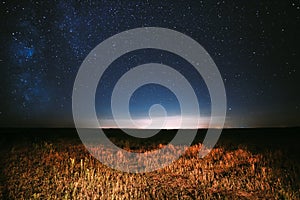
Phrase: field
pixel 245 164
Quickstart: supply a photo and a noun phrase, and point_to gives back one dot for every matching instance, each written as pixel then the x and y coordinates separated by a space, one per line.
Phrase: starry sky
pixel 255 45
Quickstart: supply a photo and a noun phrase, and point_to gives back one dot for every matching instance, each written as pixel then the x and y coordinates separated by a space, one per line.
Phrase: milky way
pixel 253 44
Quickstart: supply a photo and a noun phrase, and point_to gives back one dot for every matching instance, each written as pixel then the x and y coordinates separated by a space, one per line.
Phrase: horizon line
pixel 106 128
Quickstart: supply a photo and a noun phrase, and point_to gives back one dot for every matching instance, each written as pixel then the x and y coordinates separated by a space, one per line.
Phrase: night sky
pixel 254 44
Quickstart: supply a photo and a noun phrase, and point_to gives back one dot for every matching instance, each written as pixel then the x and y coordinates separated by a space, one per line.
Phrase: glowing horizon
pixel 170 122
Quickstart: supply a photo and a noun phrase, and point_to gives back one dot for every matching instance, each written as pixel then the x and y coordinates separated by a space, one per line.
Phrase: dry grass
pixel 67 171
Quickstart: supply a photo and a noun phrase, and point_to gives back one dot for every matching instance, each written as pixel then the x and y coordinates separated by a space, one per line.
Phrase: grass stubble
pixel 51 170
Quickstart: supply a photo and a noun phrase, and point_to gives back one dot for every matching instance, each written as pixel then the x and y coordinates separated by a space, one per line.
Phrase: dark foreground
pixel 245 164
